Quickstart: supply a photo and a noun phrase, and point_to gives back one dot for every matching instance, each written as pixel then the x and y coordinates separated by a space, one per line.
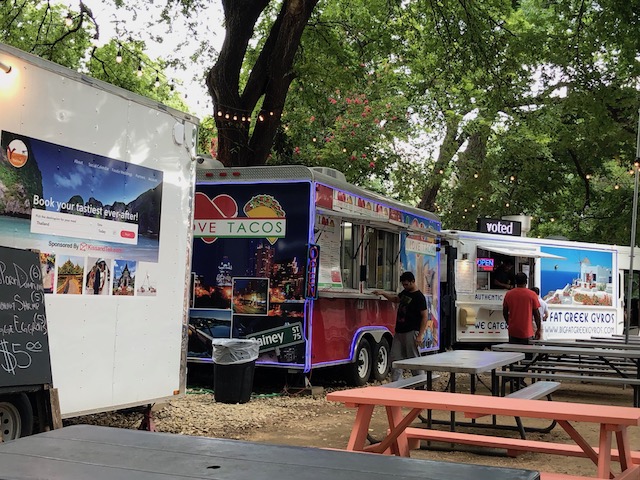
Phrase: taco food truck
pixel 289 255
pixel 100 182
pixel 581 283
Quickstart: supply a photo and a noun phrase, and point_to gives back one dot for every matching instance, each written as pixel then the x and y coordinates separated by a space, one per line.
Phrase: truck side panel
pixel 249 264
pixel 338 321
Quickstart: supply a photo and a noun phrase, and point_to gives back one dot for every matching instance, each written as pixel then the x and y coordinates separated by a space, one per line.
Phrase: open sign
pixel 485 264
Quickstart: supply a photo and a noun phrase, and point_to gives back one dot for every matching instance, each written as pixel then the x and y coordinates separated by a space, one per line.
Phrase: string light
pixel 119 56
pixel 157 82
pixel 512 178
pixel 475 175
pixel 587 176
pixel 139 73
pixel 68 21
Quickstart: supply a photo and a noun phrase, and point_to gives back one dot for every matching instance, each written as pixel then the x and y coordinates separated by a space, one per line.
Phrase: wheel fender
pixel 376 334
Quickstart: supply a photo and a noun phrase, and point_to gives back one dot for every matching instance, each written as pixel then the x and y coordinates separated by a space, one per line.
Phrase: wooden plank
pixel 54 402
pixel 570 377
pixel 409 382
pixel 512 445
pixel 463 402
pixel 561 476
pixel 535 391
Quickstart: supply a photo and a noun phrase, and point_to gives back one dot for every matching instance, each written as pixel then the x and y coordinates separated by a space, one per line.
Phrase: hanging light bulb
pixel 475 175
pixel 157 82
pixel 587 176
pixel 68 21
pixel 119 56
pixel 512 178
pixel 139 72
pixel 617 187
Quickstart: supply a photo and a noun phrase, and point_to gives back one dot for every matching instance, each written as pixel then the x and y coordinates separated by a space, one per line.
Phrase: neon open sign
pixel 485 264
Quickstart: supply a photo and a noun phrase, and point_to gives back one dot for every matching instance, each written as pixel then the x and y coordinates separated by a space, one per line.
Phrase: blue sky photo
pixel 69 174
pixel 557 273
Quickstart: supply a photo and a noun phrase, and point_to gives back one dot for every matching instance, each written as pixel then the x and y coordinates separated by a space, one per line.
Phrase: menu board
pixel 24 343
pixel 329 240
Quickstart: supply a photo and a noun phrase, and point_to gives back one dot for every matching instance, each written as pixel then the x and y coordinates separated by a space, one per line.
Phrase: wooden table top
pixel 460 361
pixel 85 452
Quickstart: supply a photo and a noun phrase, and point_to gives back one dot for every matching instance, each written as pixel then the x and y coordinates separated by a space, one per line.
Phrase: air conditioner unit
pixel 330 172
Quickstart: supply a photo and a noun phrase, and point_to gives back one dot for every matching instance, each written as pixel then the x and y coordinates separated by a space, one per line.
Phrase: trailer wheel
pixel 381 360
pixel 360 370
pixel 16 416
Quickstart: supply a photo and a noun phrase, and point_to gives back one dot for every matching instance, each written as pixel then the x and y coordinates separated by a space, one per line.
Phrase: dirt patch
pixel 291 419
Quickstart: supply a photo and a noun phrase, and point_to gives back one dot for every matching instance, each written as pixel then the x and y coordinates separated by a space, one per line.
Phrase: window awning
pixel 515 251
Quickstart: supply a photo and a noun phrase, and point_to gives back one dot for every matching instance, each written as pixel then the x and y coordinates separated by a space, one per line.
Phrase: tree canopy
pixel 468 109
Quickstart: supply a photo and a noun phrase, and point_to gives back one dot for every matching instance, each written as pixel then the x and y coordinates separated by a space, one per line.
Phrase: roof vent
pixel 330 172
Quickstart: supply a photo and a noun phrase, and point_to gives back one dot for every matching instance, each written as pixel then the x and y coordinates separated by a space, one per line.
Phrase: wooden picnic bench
pixel 613 420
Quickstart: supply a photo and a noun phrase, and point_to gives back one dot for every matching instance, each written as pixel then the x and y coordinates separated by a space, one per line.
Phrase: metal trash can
pixel 234 365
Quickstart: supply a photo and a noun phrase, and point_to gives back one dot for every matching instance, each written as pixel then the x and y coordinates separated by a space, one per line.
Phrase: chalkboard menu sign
pixel 24 344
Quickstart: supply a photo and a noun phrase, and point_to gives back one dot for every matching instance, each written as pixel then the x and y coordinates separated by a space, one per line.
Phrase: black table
pixel 85 452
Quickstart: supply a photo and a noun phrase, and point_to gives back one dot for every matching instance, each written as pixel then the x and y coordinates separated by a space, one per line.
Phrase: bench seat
pixel 569 377
pixel 410 382
pixel 512 445
pixel 535 391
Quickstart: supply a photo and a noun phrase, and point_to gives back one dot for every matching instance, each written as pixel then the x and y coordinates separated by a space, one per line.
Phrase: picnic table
pixel 401 436
pixel 606 365
pixel 472 362
pixel 86 452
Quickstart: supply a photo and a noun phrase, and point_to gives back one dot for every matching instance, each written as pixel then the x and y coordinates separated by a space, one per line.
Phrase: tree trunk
pixel 245 134
pixel 450 146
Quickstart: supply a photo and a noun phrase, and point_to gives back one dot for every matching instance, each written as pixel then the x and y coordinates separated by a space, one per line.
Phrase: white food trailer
pixel 100 182
pixel 582 284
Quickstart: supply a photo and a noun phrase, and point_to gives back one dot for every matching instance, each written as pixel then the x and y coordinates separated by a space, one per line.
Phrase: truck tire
pixel 16 416
pixel 381 360
pixel 359 371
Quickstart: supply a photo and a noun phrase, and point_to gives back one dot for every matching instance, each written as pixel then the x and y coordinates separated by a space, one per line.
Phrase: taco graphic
pixel 264 206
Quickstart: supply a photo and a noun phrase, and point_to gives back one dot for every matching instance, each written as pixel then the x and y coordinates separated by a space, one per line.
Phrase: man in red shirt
pixel 519 305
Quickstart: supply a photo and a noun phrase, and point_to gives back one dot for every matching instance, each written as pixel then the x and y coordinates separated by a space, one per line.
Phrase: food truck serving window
pixel 348 256
pixel 382 253
pixel 372 248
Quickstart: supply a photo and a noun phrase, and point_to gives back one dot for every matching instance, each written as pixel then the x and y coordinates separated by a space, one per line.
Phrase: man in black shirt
pixel 411 322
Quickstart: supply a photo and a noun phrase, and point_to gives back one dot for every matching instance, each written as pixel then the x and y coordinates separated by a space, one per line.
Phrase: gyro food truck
pixel 579 281
pixel 289 255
